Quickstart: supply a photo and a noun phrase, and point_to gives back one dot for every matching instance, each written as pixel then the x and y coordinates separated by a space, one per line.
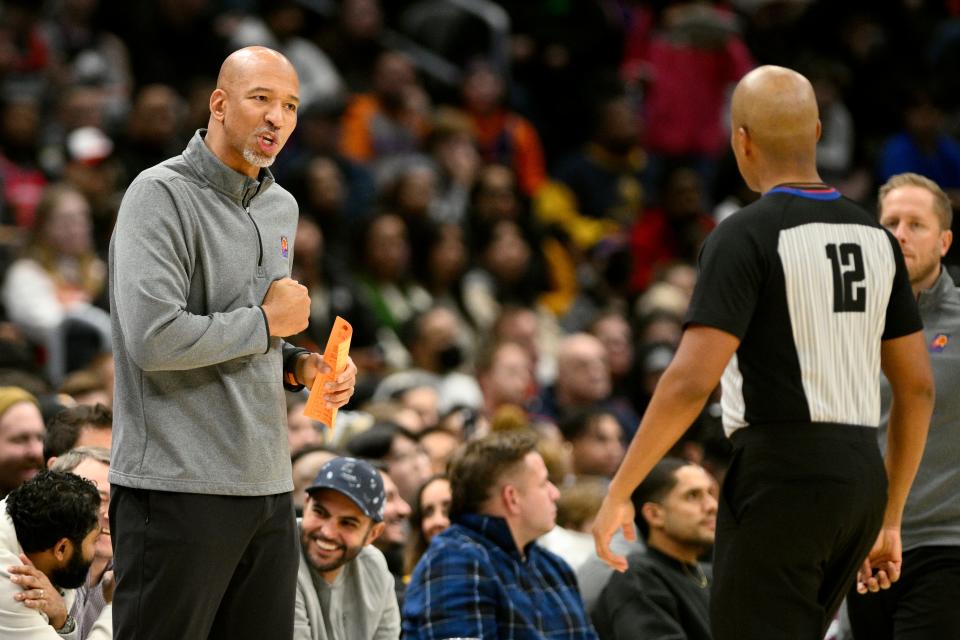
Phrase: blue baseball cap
pixel 356 479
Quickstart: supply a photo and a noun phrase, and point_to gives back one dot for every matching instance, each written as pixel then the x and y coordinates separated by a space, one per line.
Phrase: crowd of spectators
pixel 513 240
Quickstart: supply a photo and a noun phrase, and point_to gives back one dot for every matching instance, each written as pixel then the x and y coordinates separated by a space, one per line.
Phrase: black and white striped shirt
pixel 810 284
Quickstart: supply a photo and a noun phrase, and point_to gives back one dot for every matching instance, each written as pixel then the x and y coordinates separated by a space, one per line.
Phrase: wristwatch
pixel 69 626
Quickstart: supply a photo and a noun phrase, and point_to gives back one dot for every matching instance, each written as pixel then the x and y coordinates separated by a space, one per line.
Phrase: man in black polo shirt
pixel 802 299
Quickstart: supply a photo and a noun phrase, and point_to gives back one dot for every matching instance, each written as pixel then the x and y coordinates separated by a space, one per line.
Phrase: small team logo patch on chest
pixel 939 343
pixel 284 249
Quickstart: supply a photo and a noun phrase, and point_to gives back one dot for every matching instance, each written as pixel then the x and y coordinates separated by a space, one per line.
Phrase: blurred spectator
pixel 149 28
pixel 674 231
pixel 505 374
pixel 685 60
pixel 496 199
pixel 836 145
pixel 93 603
pixel 665 590
pixel 404 458
pixel 561 53
pixel 533 331
pixel 423 397
pixel 391 121
pixel 923 146
pixel 21 438
pixel 599 190
pixel 440 266
pixel 410 191
pixel 27 66
pixel 396 520
pixel 502 136
pixel 344 589
pixel 393 410
pixel 279 24
pixel 430 516
pixel 578 504
pixel 439 443
pixel 49 528
pixel 92 169
pixel 616 334
pixel 302 432
pixel 54 288
pixel 484 576
pixel 317 137
pixel 596 441
pixel 435 342
pixel 86 387
pixel 413 399
pixel 466 423
pixel 88 55
pixel 21 179
pixel 80 426
pixel 583 380
pixel 306 464
pixel 332 293
pixel 660 324
pixel 154 130
pixel 353 42
pixel 384 278
pixel 321 191
pixel 508 268
pixel 452 148
pixel 653 359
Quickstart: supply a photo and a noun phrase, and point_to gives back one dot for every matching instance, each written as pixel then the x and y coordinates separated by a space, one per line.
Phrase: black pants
pixel 923 605
pixel 800 508
pixel 192 566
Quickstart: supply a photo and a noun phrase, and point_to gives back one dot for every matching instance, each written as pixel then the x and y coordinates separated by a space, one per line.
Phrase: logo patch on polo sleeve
pixel 284 250
pixel 939 343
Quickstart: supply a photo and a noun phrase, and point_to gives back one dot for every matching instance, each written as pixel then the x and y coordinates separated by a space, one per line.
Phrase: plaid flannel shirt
pixel 473 583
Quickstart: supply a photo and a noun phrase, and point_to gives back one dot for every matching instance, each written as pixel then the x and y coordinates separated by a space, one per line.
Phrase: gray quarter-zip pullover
pixel 198 401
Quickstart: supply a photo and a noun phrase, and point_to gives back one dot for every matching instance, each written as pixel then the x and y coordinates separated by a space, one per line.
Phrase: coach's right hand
pixel 287 307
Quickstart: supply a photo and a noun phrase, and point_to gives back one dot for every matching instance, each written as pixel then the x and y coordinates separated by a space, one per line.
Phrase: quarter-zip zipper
pixel 259 237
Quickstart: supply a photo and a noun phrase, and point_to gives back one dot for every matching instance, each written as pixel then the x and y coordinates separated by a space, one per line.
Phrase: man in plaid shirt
pixel 485 577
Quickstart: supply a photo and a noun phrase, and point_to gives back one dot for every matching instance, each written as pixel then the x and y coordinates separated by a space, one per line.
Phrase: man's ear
pixel 218 100
pixel 653 513
pixel 51 461
pixel 741 138
pixel 62 549
pixel 946 239
pixel 375 532
pixel 510 498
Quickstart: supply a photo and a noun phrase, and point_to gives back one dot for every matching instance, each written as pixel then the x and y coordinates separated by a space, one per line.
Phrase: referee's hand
pixel 882 566
pixel 613 515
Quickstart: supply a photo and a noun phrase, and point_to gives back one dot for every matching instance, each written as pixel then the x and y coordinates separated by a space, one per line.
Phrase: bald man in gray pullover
pixel 205 541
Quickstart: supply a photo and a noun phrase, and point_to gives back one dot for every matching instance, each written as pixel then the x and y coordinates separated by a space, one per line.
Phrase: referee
pixel 802 298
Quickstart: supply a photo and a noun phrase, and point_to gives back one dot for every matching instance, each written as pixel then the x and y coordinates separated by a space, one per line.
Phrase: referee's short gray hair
pixel 72 459
pixel 941 203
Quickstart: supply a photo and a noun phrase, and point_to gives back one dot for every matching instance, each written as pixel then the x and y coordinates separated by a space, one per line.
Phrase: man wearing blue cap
pixel 344 589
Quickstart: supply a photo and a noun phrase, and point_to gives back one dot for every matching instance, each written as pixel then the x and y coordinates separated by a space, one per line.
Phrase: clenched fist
pixel 287 307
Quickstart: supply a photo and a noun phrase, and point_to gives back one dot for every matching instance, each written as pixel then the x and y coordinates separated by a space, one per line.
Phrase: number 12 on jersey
pixel 849 294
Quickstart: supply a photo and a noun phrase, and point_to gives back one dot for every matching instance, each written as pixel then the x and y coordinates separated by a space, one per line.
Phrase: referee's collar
pixel 810 191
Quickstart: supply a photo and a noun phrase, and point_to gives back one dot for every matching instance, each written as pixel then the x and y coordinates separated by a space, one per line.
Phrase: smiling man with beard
pixel 49 529
pixel 344 589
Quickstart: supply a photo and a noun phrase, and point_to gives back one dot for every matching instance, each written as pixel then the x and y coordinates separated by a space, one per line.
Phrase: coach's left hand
pixel 337 392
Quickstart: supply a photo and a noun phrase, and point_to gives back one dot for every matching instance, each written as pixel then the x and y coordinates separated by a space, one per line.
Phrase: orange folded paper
pixel 335 355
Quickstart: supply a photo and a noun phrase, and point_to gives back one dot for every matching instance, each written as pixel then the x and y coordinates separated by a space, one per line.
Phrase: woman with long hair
pixel 430 516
